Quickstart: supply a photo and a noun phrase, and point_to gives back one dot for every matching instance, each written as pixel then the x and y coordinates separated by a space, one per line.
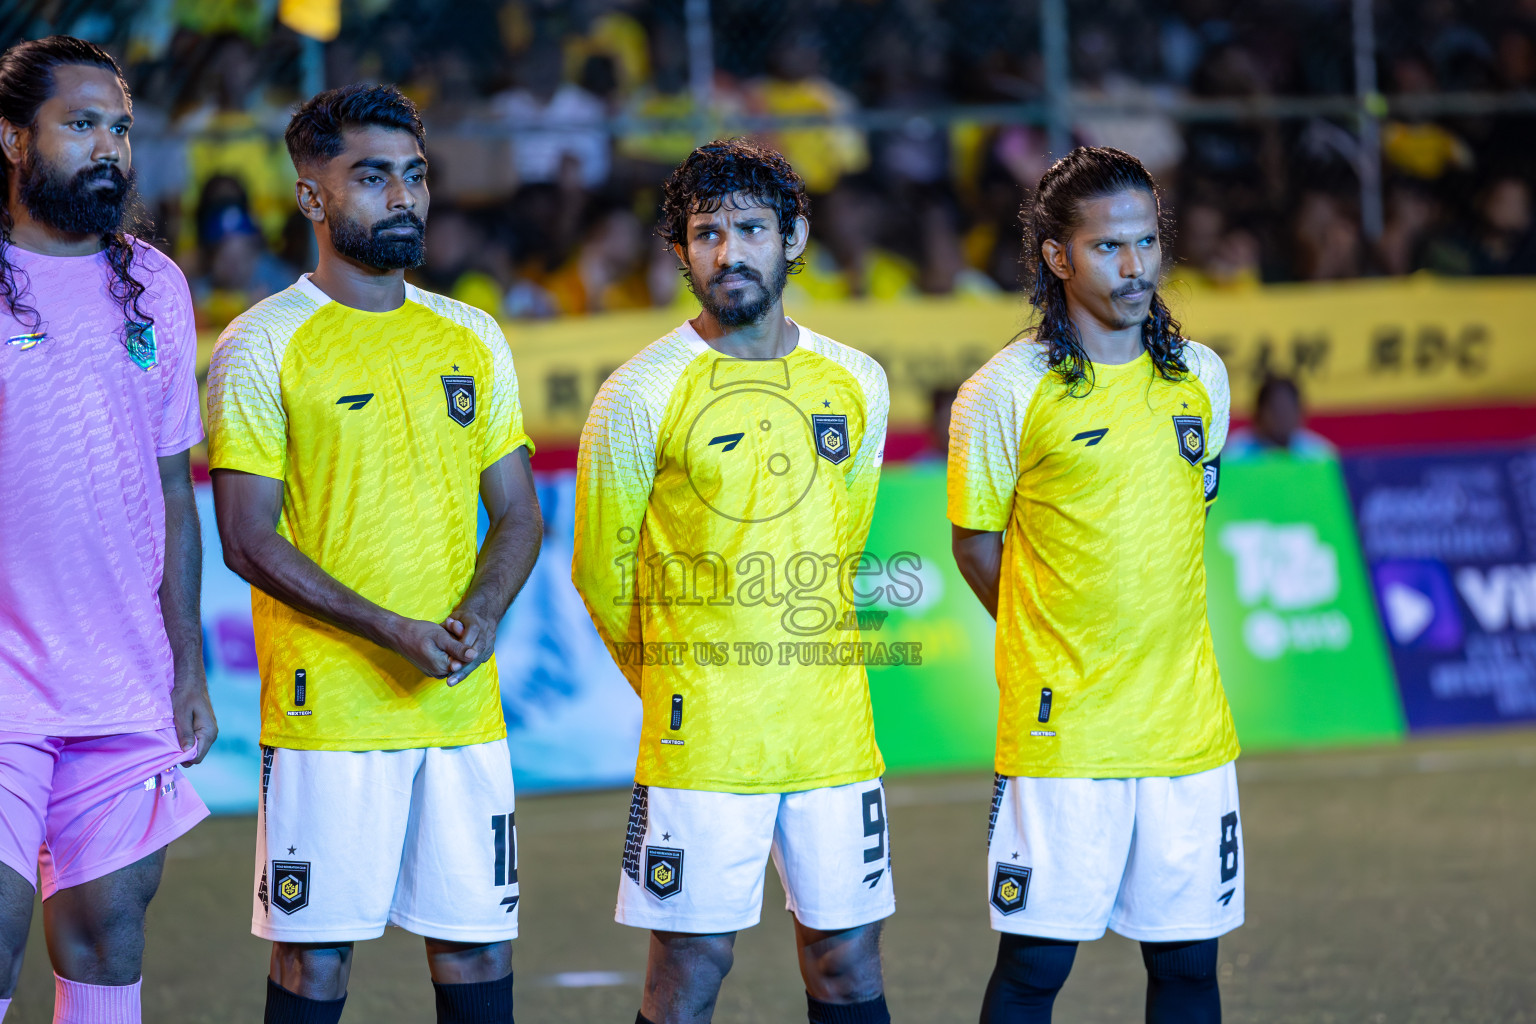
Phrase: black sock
pixel 476 1002
pixel 1181 982
pixel 641 1018
pixel 1024 983
pixel 871 1011
pixel 284 1007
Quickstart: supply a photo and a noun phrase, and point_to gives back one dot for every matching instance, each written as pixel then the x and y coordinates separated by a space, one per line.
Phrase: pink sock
pixel 5 1004
pixel 78 1003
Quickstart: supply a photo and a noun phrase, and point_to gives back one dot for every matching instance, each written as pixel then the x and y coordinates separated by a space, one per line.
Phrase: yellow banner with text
pixel 1355 347
pixel 1361 346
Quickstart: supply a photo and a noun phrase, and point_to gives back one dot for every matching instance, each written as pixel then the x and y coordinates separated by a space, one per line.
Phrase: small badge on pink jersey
pixel 25 341
pixel 139 340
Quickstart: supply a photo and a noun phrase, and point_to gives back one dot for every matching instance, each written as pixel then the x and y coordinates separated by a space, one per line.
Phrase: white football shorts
pixel 1156 859
pixel 350 841
pixel 694 861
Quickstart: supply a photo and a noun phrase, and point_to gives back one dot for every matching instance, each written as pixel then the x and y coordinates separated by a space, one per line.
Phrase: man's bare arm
pixel 181 588
pixel 979 554
pixel 506 558
pixel 248 507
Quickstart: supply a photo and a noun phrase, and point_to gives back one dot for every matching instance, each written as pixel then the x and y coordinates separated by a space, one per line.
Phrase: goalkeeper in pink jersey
pixel 102 694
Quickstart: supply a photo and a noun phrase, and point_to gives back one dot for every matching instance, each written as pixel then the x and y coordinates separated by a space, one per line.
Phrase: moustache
pixel 404 220
pixel 109 172
pixel 1134 286
pixel 740 269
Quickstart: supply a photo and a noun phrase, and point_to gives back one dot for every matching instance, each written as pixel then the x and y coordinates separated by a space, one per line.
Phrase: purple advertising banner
pixel 1450 540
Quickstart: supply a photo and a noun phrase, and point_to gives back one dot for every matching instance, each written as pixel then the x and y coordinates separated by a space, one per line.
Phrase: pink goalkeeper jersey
pixel 84 414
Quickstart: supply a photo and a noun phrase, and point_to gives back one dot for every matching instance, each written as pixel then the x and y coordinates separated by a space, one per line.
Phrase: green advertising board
pixel 1297 638
pixel 942 713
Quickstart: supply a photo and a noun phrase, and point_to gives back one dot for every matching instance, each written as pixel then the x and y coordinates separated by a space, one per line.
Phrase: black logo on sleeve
pixel 831 436
pixel 460 390
pixel 1091 437
pixel 663 871
pixel 1010 888
pixel 355 402
pixel 1212 478
pixel 290 885
pixel 1190 432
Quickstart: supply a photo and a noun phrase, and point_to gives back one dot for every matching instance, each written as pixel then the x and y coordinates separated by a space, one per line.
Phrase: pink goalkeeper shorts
pixel 76 808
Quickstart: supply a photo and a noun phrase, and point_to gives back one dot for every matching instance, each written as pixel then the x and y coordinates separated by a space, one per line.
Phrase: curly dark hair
pixel 726 167
pixel 314 132
pixel 1054 212
pixel 26 82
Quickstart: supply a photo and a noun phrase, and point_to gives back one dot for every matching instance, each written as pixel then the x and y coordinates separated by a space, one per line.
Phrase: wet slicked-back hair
pixel 314 133
pixel 1055 211
pixel 720 169
pixel 26 83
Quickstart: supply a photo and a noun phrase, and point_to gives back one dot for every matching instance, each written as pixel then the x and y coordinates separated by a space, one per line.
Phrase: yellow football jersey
pixel 1104 653
pixel 379 425
pixel 722 506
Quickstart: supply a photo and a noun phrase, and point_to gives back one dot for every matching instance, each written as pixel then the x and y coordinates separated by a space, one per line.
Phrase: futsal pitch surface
pixel 1385 886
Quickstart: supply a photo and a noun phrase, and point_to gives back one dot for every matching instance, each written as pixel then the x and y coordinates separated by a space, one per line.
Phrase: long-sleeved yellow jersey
pixel 722 507
pixel 1104 654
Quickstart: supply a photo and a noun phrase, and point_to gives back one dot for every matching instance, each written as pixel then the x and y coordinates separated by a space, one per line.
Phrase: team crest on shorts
pixel 290 885
pixel 831 436
pixel 1190 431
pixel 663 871
pixel 1010 888
pixel 139 340
pixel 460 390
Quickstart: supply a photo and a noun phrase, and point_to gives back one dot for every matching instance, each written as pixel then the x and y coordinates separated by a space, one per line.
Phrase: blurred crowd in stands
pixel 545 195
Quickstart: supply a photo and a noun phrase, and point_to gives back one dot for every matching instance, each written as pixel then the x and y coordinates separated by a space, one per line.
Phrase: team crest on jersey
pixel 1190 432
pixel 663 871
pixel 831 437
pixel 461 398
pixel 1010 888
pixel 1212 478
pixel 139 340
pixel 290 885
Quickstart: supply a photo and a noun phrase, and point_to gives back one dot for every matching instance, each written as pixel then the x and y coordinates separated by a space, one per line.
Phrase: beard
pixel 748 305
pixel 364 244
pixel 76 204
